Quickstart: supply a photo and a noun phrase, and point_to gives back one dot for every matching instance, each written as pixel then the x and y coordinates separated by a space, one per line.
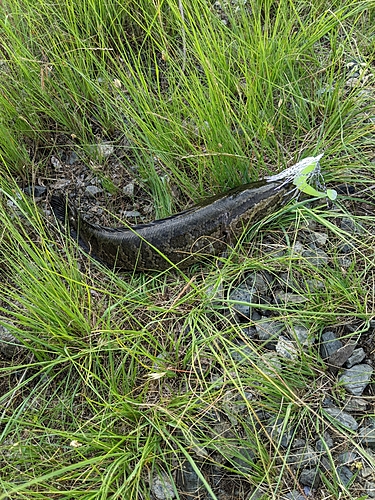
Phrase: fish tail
pixel 60 208
pixel 68 216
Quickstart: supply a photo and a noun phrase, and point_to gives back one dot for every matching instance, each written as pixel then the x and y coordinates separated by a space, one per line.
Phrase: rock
pixel 329 344
pixel 345 474
pixel 294 495
pixel 128 190
pixel 316 257
pixel 356 379
pixel 260 281
pixel 105 149
pixel 367 435
pixel 286 348
pixel 302 335
pixel 324 444
pixel 56 163
pixel 370 488
pixel 35 191
pixel 298 444
pixel 297 248
pixel 313 285
pixel 162 487
pixel 310 477
pixel 342 418
pixel 269 329
pixel 289 298
pixel 306 457
pixel 233 405
pixel 346 248
pixel 338 358
pixel 244 460
pixel 367 471
pixel 357 356
pixel 318 238
pixel 344 262
pixel 258 494
pixel 349 225
pixel 243 296
pixel 333 351
pixel 241 353
pixel 93 190
pixel 188 479
pixel 130 213
pixel 355 405
pixel 249 332
pixel 347 457
pixel 71 158
pixel 269 363
pixel 277 429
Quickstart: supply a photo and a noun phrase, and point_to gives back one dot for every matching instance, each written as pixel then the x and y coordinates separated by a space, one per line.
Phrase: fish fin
pixel 60 208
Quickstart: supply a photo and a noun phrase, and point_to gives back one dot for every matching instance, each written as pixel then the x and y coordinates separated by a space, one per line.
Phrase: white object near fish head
pixel 300 173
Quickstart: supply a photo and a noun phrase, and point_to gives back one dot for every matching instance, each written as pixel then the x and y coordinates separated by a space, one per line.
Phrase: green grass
pixel 125 378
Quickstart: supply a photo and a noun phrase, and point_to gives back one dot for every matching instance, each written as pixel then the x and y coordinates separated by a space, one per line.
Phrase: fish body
pixel 184 238
pixel 203 230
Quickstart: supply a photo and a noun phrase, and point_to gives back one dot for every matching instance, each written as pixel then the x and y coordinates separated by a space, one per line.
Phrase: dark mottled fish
pixel 182 239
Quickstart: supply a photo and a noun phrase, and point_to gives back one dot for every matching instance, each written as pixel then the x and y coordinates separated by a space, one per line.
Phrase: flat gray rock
pixel 330 344
pixel 357 356
pixel 342 418
pixel 356 379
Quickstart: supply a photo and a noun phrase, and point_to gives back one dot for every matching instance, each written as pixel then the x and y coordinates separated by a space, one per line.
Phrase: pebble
pixel 130 213
pixel 71 158
pixel 244 460
pixel 188 479
pixel 357 356
pixel 294 495
pixel 356 379
pixel 162 488
pixel 370 488
pixel 243 296
pixel 318 238
pixel 241 353
pixel 310 477
pixel 269 363
pixel 323 444
pixel 306 457
pixel 277 429
pixel 347 457
pixel 56 163
pixel 329 345
pixel 339 357
pixel 315 285
pixel 35 191
pixel 302 335
pixel 249 332
pixel 345 474
pixel 128 190
pixel 316 257
pixel 105 149
pixel 268 329
pixel 355 405
pixel 342 418
pixel 367 435
pixel 93 190
pixel 261 282
pixel 286 348
pixel 348 225
pixel 289 298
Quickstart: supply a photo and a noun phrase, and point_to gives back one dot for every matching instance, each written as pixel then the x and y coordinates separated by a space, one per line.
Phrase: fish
pixel 204 230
